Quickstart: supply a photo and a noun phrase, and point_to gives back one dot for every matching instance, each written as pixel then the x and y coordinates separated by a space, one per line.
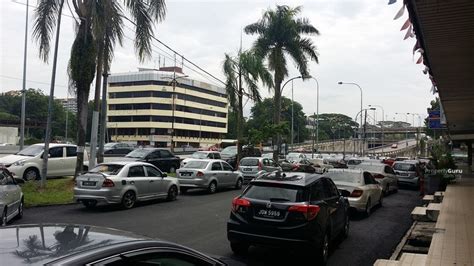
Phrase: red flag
pixel 408 32
pixel 420 59
pixel 406 24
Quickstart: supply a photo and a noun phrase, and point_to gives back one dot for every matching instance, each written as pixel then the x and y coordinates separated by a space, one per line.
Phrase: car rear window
pixel 371 167
pixel 404 167
pixel 275 192
pixel 249 162
pixel 108 169
pixel 196 165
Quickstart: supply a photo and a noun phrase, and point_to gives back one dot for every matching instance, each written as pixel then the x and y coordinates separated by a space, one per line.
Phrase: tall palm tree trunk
pixel 95 114
pixel 82 98
pixel 277 117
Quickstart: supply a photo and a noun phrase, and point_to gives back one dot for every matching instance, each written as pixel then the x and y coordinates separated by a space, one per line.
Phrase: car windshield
pixel 108 169
pixel 199 155
pixel 274 192
pixel 404 167
pixel 138 153
pixel 231 150
pixel 32 151
pixel 249 162
pixel 196 165
pixel 346 177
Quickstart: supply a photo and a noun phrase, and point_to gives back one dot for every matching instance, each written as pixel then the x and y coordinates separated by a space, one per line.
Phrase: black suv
pixel 161 158
pixel 292 209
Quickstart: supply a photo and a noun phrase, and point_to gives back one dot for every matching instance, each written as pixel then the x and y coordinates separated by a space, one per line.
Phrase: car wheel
pixel 368 208
pixel 239 183
pixel 323 250
pixel 128 199
pixel 20 210
pixel 212 187
pixel 172 193
pixel 172 169
pixel 386 191
pixel 239 248
pixel 381 200
pixel 3 221
pixel 90 204
pixel 31 174
pixel 345 232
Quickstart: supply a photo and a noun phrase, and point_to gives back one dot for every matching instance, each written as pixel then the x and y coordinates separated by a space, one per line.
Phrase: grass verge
pixel 57 191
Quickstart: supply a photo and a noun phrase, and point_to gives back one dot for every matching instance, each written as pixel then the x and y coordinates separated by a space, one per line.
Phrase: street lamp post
pixel 406 129
pixel 298 77
pixel 383 121
pixel 316 117
pixel 23 91
pixel 361 105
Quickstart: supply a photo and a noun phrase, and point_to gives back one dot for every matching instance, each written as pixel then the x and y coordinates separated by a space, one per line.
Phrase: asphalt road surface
pixel 198 220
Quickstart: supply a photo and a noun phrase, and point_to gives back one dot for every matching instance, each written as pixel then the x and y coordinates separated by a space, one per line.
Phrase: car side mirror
pixel 164 175
pixel 345 193
pixel 19 181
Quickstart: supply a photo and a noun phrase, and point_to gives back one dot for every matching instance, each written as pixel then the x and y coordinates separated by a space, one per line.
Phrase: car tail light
pixel 108 183
pixel 260 166
pixel 239 202
pixel 378 176
pixel 356 193
pixel 199 173
pixel 309 211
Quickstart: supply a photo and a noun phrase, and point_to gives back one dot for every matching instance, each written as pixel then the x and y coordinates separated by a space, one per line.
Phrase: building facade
pixel 144 108
pixel 69 104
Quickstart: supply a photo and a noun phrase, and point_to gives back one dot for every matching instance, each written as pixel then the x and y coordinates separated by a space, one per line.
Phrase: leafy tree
pixel 96 20
pixel 335 126
pixel 279 34
pixel 261 117
pixel 242 73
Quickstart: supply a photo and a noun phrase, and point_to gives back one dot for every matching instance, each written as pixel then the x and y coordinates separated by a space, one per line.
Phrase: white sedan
pixel 359 186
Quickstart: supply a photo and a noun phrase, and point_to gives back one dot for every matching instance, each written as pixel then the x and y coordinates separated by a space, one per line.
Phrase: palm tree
pixel 249 69
pixel 279 34
pixel 99 26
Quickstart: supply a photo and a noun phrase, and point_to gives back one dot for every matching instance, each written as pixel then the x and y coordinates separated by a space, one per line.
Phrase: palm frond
pixel 46 15
pixel 304 26
pixel 309 49
pixel 143 27
pixel 231 80
pixel 157 9
pixel 295 51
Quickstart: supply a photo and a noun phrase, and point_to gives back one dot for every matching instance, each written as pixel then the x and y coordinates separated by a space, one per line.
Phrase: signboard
pixel 434 120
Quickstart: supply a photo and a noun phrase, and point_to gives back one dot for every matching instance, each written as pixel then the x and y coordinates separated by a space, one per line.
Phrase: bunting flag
pixel 392 2
pixel 420 60
pixel 425 71
pixel 406 24
pixel 399 13
pixel 416 47
pixel 409 32
pixel 434 90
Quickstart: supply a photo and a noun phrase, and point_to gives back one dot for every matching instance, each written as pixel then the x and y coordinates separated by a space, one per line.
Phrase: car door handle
pixel 151 181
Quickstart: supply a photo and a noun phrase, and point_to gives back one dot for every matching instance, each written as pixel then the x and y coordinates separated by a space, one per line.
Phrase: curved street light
pixel 361 105
pixel 383 121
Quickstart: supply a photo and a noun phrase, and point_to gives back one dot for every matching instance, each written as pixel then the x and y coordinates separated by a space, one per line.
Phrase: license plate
pixel 268 213
pixel 248 169
pixel 186 174
pixel 89 183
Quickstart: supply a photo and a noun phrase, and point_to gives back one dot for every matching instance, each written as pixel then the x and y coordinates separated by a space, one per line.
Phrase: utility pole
pixel 50 102
pixel 312 135
pixel 23 91
pixel 292 115
pixel 103 115
pixel 363 133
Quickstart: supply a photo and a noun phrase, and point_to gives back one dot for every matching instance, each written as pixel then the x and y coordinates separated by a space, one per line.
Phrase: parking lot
pixel 198 220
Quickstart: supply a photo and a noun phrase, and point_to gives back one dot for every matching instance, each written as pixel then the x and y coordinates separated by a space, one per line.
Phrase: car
pixel 252 167
pixel 295 156
pixel 164 159
pixel 291 210
pixel 362 190
pixel 229 154
pixel 394 146
pixel 409 172
pixel 209 174
pixel 124 183
pixel 27 163
pixel 383 173
pixel 11 197
pixel 202 155
pixel 117 148
pixel 72 244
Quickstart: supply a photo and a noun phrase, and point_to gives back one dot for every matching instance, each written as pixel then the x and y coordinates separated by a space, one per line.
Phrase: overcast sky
pixel 359 42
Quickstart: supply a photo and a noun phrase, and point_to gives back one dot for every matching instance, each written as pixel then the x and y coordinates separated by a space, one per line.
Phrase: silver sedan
pixel 11 197
pixel 208 174
pixel 124 183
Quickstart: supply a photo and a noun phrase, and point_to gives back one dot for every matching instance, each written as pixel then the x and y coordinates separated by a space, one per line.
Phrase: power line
pixel 39 82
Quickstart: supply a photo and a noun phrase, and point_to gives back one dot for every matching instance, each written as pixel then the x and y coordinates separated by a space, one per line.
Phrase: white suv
pixel 27 163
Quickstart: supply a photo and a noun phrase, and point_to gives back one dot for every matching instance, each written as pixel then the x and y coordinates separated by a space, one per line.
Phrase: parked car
pixel 289 210
pixel 117 148
pixel 383 173
pixel 229 154
pixel 124 183
pixel 209 174
pixel 202 155
pixel 362 190
pixel 69 244
pixel 27 163
pixel 295 156
pixel 394 146
pixel 11 197
pixel 408 172
pixel 252 167
pixel 159 157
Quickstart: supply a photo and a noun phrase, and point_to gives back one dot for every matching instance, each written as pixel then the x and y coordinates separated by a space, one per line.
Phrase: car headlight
pixel 19 163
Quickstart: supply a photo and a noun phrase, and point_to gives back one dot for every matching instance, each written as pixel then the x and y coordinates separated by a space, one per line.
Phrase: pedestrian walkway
pixel 453 240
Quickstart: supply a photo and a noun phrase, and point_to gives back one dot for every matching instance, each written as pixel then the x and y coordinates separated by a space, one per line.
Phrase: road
pixel 402 144
pixel 198 220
